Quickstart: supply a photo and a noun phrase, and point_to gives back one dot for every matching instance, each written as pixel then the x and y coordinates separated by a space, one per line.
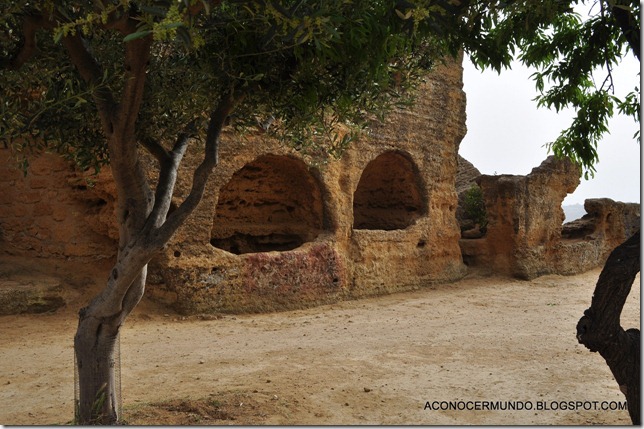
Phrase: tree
pixel 600 331
pixel 98 81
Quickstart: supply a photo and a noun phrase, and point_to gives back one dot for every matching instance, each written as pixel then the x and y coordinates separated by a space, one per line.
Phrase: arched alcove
pixel 271 204
pixel 389 195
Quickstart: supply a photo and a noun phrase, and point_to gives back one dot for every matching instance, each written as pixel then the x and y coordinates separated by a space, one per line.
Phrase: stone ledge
pixel 40 295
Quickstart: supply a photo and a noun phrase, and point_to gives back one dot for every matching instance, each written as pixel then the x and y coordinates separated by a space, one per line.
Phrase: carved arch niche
pixel 389 194
pixel 271 204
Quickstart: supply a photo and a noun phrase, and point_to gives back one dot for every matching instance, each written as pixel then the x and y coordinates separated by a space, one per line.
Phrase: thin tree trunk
pixel 600 330
pixel 95 362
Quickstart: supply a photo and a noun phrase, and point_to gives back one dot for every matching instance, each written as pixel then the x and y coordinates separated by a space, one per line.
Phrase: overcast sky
pixel 507 133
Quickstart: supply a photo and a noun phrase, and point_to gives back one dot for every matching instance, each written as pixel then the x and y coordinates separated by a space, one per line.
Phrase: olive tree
pixel 99 81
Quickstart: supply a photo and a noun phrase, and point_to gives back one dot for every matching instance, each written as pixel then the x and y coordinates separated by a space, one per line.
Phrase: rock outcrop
pixel 525 237
pixel 587 242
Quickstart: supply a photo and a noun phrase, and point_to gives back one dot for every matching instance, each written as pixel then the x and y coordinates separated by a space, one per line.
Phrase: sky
pixel 507 133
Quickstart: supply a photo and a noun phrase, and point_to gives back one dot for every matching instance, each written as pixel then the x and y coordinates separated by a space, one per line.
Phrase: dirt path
pixel 372 361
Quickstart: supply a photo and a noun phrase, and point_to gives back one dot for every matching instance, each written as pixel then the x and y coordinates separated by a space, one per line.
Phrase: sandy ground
pixel 371 361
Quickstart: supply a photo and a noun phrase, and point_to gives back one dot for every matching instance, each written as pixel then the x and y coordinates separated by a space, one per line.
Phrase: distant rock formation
pixel 525 237
pixel 466 175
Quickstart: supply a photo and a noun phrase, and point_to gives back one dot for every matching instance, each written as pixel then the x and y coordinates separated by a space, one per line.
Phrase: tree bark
pixel 600 330
pixel 98 328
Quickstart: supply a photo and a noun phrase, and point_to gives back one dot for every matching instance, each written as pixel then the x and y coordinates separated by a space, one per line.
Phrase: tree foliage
pixel 474 205
pixel 307 65
pixel 310 65
pixel 573 55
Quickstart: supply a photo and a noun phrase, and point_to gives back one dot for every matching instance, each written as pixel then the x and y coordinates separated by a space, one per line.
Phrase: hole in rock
pixel 388 195
pixel 271 204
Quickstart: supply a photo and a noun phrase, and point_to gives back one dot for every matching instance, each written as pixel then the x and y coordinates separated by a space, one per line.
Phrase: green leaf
pixel 138 35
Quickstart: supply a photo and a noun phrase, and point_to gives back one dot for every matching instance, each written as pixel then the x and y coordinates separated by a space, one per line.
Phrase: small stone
pixel 366 389
pixel 201 361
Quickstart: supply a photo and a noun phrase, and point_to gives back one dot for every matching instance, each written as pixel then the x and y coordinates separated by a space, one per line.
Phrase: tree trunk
pixel 95 363
pixel 600 330
pixel 99 323
pixel 94 346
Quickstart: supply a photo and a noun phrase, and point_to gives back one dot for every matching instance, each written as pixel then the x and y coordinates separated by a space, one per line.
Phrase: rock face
pixel 276 228
pixel 587 242
pixel 525 237
pixel 51 212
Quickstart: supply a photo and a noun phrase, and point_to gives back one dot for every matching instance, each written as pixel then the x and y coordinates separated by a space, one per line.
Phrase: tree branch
pixel 30 25
pixel 137 54
pixel 91 73
pixel 202 172
pixel 169 169
pixel 627 22
pixel 155 148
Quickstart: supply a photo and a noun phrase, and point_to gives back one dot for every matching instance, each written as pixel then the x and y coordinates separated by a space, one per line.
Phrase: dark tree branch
pixel 137 54
pixel 627 22
pixel 202 172
pixel 121 23
pixel 600 330
pixel 91 73
pixel 30 25
pixel 155 148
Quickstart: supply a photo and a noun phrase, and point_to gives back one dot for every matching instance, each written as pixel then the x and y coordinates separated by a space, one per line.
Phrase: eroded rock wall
pixel 587 242
pixel 379 219
pixel 52 211
pixel 278 229
pixel 525 237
